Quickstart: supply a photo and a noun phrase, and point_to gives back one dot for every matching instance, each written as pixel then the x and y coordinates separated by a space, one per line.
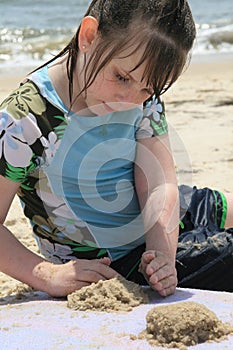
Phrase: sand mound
pixel 116 294
pixel 183 324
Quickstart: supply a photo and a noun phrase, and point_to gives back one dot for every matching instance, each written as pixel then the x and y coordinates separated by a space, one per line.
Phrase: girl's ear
pixel 88 32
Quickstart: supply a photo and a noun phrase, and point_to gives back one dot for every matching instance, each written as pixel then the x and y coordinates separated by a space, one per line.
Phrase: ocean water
pixel 31 32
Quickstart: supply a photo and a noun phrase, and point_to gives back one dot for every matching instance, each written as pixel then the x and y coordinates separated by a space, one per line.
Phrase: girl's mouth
pixel 108 108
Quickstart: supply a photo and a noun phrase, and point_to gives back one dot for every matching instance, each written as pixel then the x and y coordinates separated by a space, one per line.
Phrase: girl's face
pixel 116 88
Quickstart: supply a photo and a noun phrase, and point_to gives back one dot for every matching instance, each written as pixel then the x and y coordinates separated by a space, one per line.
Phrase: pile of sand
pixel 183 324
pixel 116 294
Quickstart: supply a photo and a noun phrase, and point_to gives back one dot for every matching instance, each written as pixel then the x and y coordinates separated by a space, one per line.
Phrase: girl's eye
pixel 122 78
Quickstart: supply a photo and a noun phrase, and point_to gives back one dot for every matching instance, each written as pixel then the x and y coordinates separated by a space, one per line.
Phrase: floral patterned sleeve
pixel 20 133
pixel 154 121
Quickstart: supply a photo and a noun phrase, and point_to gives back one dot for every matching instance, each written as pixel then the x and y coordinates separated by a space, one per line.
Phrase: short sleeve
pixel 154 121
pixel 19 132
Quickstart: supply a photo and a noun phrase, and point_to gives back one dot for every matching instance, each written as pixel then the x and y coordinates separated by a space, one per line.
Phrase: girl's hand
pixel 159 271
pixel 61 280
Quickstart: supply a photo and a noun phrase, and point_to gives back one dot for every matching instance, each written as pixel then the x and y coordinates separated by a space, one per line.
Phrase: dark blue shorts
pixel 201 207
pixel 205 249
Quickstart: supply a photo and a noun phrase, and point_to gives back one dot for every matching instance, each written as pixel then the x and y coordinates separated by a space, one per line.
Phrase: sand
pixel 200 110
pixel 184 324
pixel 116 294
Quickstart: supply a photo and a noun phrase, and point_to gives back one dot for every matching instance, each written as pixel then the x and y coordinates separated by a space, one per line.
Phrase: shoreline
pixel 21 69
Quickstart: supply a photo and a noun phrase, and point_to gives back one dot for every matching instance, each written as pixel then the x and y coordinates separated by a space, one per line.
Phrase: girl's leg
pixel 205 248
pixel 229 215
pixel 203 207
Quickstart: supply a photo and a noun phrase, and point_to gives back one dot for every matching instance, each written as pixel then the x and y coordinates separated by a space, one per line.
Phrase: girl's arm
pixel 22 264
pixel 157 190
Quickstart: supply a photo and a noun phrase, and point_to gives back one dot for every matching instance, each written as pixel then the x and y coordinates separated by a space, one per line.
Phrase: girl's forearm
pixel 22 264
pixel 160 240
pixel 161 217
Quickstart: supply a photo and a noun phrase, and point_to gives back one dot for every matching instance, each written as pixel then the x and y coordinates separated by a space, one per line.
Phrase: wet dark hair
pixel 165 27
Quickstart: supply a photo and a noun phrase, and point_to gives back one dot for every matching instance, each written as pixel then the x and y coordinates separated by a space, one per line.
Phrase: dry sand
pixel 200 108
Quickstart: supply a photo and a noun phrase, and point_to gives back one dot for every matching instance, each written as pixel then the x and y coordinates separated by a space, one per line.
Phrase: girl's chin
pixel 106 108
pixel 101 109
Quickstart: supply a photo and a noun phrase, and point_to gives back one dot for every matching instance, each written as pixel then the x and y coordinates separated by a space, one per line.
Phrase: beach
pixel 199 110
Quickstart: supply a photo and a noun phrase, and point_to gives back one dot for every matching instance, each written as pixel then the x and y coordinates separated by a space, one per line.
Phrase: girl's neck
pixel 58 75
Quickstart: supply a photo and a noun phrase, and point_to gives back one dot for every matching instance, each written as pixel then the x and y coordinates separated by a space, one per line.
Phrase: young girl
pixel 84 144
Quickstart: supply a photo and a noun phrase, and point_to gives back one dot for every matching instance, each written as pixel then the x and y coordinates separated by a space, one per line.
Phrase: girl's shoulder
pixel 24 100
pixel 30 114
pixel 154 121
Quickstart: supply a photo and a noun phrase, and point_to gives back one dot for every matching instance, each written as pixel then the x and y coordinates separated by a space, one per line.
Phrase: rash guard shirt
pixel 76 172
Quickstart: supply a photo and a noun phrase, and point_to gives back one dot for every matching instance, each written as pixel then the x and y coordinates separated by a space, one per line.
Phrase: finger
pixel 155 265
pixel 148 256
pixel 105 260
pixel 92 271
pixel 90 276
pixel 102 270
pixel 166 286
pixel 76 285
pixel 80 284
pixel 167 291
pixel 164 283
pixel 160 273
